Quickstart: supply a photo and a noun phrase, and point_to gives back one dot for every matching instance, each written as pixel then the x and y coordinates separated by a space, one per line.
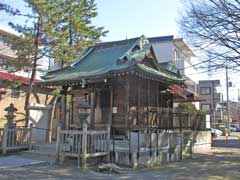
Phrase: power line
pixel 193 65
pixel 203 71
pixel 208 60
pixel 216 67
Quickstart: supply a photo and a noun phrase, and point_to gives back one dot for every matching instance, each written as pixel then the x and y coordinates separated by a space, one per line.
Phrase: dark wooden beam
pixel 110 106
pixel 72 107
pixel 158 120
pixel 63 111
pixel 127 101
pixel 148 95
pixel 138 100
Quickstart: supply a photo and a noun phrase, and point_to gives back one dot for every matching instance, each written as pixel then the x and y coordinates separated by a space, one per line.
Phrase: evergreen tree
pixel 58 29
pixel 68 27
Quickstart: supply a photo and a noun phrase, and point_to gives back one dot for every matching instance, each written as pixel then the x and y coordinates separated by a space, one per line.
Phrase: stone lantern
pixel 10 114
pixel 83 115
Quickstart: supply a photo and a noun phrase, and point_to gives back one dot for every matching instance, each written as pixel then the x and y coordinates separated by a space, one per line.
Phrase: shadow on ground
pixel 221 163
pixel 232 142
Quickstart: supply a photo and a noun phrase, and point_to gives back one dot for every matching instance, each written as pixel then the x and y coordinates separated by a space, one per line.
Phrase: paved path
pixel 222 163
pixel 15 161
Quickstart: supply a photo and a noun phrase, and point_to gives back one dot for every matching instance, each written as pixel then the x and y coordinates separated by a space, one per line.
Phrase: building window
pixel 205 90
pixel 206 107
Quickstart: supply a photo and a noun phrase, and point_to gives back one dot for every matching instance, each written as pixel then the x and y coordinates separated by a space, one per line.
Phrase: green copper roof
pixel 152 71
pixel 169 66
pixel 105 59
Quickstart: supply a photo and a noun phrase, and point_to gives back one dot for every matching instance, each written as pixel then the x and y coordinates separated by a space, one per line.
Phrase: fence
pixel 82 144
pixel 15 138
pixel 142 148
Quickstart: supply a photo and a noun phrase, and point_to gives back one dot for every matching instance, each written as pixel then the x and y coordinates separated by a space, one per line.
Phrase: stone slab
pixel 14 161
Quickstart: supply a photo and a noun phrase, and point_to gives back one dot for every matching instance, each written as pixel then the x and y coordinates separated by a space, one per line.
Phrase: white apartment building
pixel 174 50
pixel 7 56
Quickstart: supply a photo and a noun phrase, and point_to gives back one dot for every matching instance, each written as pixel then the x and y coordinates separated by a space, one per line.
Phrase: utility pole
pixel 213 119
pixel 238 107
pixel 222 109
pixel 228 111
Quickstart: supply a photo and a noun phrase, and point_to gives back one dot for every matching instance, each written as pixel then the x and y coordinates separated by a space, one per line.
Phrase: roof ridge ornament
pixel 122 60
pixel 138 44
pixel 83 83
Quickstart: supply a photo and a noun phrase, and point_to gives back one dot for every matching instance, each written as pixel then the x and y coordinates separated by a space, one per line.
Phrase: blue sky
pixel 131 18
pixel 127 18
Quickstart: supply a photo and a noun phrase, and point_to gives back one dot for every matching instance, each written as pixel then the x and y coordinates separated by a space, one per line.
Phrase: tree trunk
pixel 53 104
pixel 34 69
pixel 37 98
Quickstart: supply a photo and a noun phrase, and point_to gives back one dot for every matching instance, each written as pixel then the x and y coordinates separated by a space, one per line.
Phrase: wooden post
pixel 4 140
pixel 72 104
pixel 170 145
pixel 148 94
pixel 110 107
pixel 138 148
pixel 63 110
pixel 181 146
pixel 92 114
pixel 130 149
pixel 157 141
pixel 158 121
pixel 127 88
pixel 150 143
pixel 84 145
pixel 113 153
pixel 181 135
pixel 50 121
pixel 191 148
pixel 58 143
pixel 30 137
pixel 159 146
pixel 108 142
pixel 138 103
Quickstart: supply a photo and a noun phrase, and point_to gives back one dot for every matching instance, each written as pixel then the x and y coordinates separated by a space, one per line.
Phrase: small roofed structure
pixel 118 83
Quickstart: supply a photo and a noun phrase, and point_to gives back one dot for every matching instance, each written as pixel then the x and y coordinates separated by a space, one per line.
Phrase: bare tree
pixel 214 27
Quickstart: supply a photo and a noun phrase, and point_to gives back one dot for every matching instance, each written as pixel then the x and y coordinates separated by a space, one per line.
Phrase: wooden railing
pixel 165 118
pixel 83 143
pixel 15 138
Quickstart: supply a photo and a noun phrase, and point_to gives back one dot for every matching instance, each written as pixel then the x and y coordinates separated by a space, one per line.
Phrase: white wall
pixel 39 117
pixel 43 63
pixel 164 51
